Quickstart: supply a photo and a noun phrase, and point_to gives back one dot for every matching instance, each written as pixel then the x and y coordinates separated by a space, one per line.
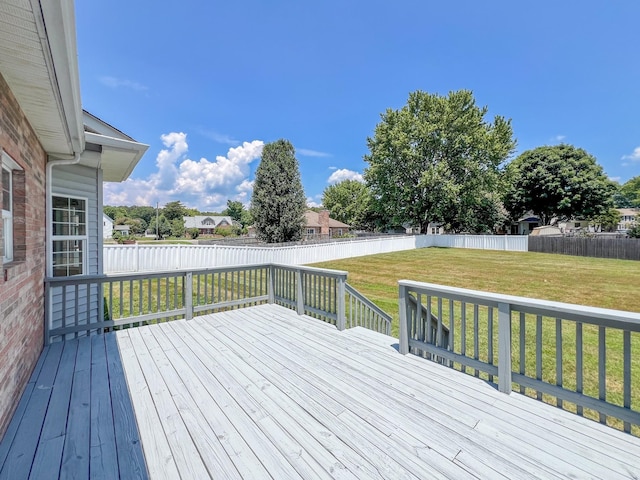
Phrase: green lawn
pixel 586 281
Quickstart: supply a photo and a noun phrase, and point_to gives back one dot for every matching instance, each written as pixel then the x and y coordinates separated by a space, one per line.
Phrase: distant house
pixel 123 230
pixel 107 226
pixel 628 218
pixel 525 225
pixel 320 224
pixel 206 224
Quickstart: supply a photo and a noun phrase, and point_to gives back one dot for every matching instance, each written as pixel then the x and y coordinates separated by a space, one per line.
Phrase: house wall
pixel 84 182
pixel 22 293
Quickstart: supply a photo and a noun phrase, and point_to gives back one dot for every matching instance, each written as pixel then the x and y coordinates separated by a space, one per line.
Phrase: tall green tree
pixel 174 210
pixel 278 202
pixel 349 202
pixel 560 182
pixel 238 213
pixel 630 191
pixel 436 160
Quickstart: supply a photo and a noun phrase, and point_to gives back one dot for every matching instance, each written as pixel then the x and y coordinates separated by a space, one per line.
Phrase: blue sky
pixel 205 83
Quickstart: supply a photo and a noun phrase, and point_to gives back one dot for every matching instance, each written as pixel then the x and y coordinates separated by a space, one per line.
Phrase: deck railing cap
pixel 559 307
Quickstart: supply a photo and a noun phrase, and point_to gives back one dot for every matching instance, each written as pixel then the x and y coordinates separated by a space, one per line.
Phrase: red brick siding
pixel 22 294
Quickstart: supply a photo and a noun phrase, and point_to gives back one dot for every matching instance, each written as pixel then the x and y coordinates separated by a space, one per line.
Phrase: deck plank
pixel 49 452
pixel 580 446
pixel 238 451
pixel 103 456
pixel 345 426
pixel 131 461
pixel 76 452
pixel 246 413
pixel 212 452
pixel 184 452
pixel 25 442
pixel 158 455
pixel 446 434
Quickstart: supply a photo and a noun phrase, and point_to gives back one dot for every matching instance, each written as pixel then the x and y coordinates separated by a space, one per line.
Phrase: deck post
pixel 271 290
pixel 341 322
pixel 504 347
pixel 299 292
pixel 47 312
pixel 404 320
pixel 188 295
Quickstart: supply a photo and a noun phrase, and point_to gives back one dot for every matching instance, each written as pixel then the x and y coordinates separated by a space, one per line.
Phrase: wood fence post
pixel 504 347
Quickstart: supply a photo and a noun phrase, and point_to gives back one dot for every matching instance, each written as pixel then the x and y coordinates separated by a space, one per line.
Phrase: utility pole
pixel 157 236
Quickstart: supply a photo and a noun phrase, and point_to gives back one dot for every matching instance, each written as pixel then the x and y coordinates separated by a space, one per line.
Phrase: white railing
pixel 574 356
pixel 85 305
pixel 145 258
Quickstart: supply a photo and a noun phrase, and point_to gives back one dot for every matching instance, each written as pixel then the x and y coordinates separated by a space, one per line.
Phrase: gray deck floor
pixel 263 393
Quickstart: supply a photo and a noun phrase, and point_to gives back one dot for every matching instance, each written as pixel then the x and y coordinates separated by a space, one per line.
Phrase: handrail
pixel 558 352
pixel 81 305
pixel 362 312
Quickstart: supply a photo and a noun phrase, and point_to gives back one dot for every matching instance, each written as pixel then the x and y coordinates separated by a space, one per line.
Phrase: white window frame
pixel 8 165
pixel 84 239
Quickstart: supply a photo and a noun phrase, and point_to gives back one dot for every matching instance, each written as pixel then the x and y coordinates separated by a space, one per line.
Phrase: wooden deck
pixel 264 393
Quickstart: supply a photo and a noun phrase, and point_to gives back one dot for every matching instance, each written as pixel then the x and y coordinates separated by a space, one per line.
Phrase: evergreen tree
pixel 278 202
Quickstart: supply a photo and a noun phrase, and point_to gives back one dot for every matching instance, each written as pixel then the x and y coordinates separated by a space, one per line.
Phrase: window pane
pixel 6 190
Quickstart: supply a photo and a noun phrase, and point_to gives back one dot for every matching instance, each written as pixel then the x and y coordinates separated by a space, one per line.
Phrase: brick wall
pixel 22 293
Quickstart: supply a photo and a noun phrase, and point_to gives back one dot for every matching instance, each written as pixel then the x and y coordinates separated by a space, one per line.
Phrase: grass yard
pixel 586 281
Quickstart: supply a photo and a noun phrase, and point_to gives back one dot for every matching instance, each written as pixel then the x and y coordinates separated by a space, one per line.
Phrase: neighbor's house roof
pixel 200 221
pixel 312 219
pixel 628 211
pixel 38 60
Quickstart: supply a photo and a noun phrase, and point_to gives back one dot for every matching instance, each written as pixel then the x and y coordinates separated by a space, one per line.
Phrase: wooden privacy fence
pixel 600 247
pixel 83 305
pixel 583 359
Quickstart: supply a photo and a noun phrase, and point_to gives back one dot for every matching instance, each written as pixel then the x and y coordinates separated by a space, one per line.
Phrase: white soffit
pixel 120 152
pixel 38 60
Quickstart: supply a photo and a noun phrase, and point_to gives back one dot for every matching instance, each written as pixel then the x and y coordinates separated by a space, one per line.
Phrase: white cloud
pixel 113 82
pixel 313 202
pixel 615 179
pixel 203 184
pixel 305 152
pixel 333 168
pixel 634 156
pixel 344 174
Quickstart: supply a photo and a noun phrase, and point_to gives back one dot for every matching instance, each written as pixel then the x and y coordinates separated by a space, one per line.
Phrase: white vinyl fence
pixel 144 258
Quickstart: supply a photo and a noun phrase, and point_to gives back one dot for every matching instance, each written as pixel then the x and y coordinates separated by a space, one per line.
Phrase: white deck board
pixel 261 393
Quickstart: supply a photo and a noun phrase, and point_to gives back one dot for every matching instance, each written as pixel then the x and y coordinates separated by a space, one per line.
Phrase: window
pixel 311 231
pixel 69 236
pixel 10 169
pixel 7 214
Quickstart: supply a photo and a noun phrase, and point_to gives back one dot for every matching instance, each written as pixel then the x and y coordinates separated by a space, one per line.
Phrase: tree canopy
pixel 630 193
pixel 558 182
pixel 278 202
pixel 349 202
pixel 436 160
pixel 174 210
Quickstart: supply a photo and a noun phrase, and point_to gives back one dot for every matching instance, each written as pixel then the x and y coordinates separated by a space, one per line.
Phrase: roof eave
pixel 58 37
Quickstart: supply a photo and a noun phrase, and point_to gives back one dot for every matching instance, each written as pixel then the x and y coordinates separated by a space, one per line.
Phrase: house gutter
pixel 49 202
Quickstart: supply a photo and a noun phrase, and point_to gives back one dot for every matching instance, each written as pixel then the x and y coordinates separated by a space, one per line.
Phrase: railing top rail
pixel 83 279
pixel 593 315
